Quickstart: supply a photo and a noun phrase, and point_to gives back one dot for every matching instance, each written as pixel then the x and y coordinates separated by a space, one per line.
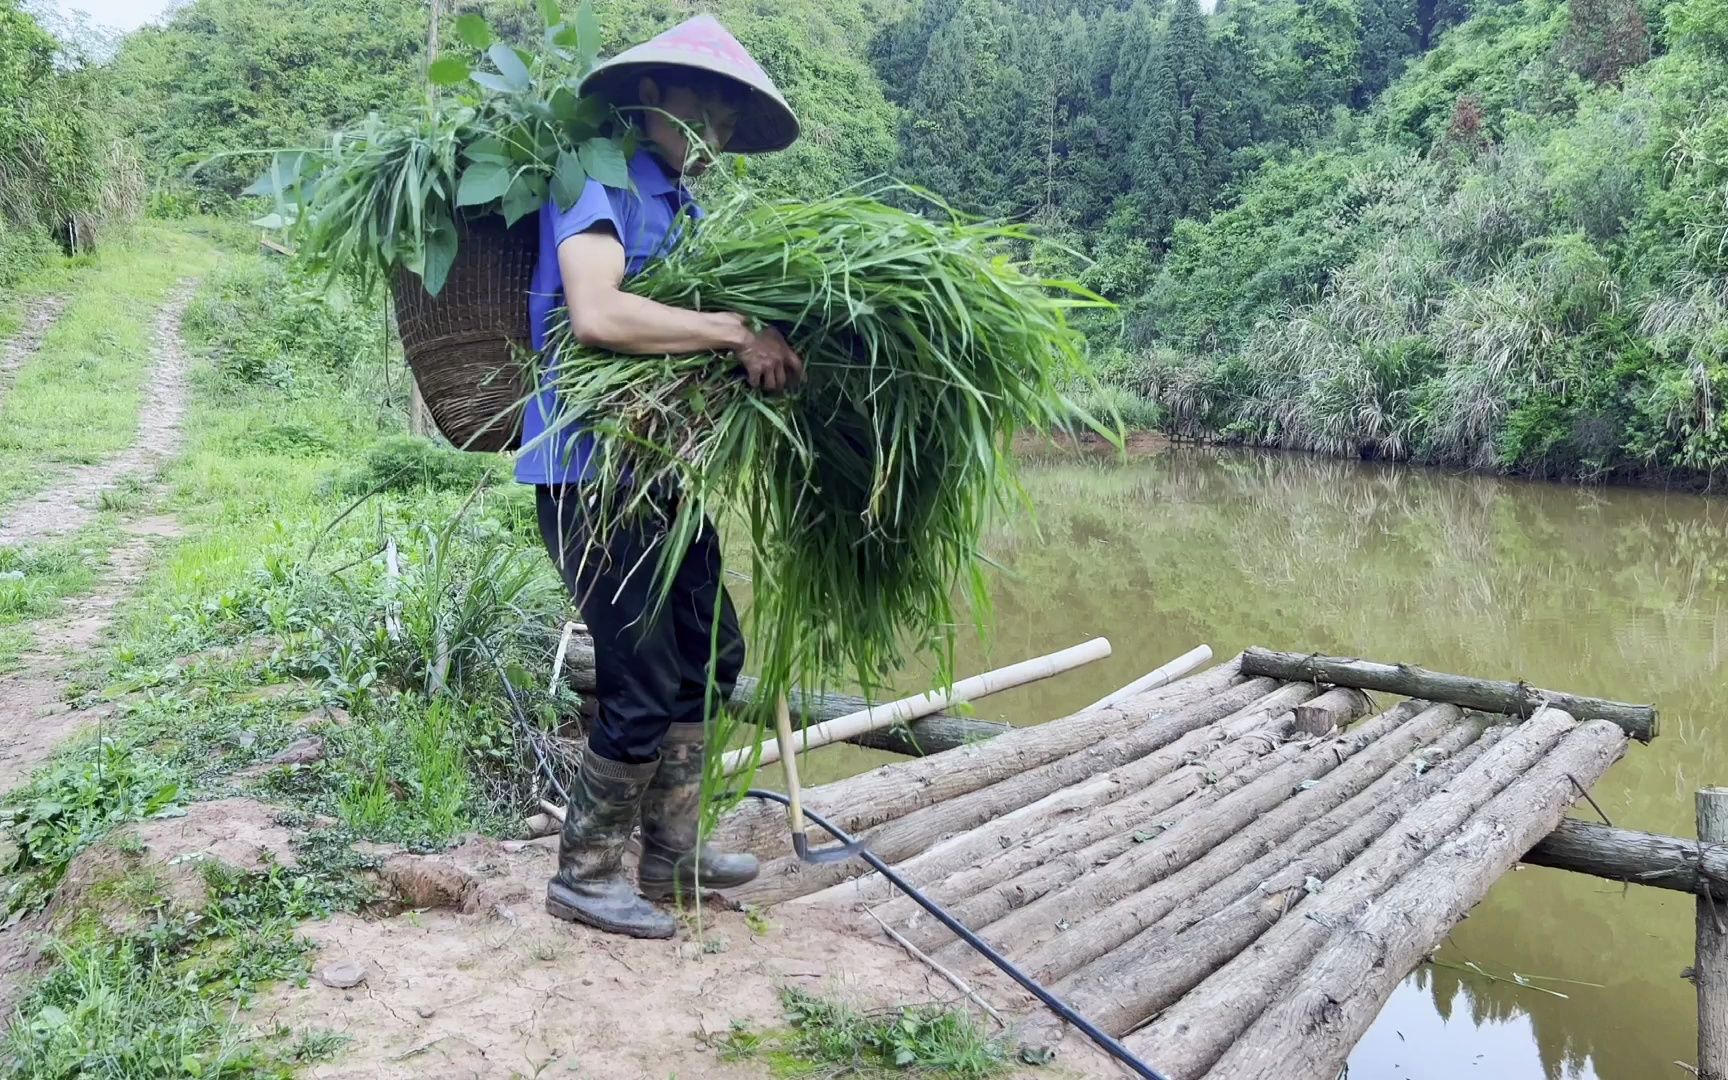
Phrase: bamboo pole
pixel 861 802
pixel 1159 676
pixel 1195 1031
pixel 935 868
pixel 1171 956
pixel 1637 858
pixel 901 835
pixel 1384 741
pixel 1513 699
pixel 912 708
pixel 1310 1028
pixel 1710 972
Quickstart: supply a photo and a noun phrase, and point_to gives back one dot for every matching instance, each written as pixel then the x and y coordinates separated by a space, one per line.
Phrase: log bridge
pixel 1233 872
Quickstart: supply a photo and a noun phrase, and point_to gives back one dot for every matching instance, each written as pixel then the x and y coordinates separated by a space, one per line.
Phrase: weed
pixel 739 1042
pixel 915 1040
pixel 76 800
pixel 403 463
pixel 757 920
pixel 157 1003
pixel 312 1047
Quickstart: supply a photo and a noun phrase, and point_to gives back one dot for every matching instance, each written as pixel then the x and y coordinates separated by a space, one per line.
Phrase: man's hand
pixel 769 361
pixel 604 316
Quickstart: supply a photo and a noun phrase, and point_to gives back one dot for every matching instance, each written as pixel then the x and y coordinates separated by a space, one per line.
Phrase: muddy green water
pixel 1616 593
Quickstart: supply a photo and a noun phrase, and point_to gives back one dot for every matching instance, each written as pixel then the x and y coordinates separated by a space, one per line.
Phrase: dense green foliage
pixel 63 176
pixel 1514 261
pixel 227 76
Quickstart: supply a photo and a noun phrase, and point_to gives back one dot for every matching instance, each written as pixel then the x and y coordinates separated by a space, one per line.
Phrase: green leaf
pixel 492 82
pixel 526 194
pixel 587 33
pixel 510 66
pixel 549 13
pixel 488 149
pixel 482 182
pixel 448 71
pixel 568 180
pixel 604 160
pixel 440 254
pixel 473 31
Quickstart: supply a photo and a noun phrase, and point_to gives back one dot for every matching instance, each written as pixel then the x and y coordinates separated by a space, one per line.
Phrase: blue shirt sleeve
pixel 593 207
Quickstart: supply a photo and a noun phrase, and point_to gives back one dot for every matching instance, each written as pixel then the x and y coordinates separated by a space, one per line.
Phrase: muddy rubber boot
pixel 672 862
pixel 590 886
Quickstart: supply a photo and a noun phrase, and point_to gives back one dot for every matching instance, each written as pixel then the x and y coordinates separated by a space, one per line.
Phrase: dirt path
pixel 482 983
pixel 42 314
pixel 71 500
pixel 34 718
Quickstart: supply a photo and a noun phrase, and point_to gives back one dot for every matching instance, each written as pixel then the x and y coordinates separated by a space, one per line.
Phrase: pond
pixel 1609 592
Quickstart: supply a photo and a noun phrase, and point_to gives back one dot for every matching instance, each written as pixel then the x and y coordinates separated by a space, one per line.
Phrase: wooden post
pixel 1711 971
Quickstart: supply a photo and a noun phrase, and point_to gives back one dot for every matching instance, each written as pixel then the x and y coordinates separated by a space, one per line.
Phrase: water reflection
pixel 1611 592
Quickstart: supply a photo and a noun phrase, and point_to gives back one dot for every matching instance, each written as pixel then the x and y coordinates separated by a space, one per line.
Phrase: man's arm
pixel 604 316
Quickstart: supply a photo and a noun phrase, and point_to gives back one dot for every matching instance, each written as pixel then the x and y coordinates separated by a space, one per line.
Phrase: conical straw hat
pixel 765 122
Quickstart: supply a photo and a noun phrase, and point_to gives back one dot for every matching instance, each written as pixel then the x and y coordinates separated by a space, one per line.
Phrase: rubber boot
pixel 673 863
pixel 590 886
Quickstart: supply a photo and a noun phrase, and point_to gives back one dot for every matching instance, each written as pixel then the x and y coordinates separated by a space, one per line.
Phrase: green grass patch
pixel 77 399
pixel 34 580
pixel 829 1038
pixel 159 1003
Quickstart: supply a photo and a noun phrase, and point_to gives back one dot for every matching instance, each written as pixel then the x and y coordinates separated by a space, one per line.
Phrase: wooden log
pixel 1098 879
pixel 861 802
pixel 1710 972
pixel 909 833
pixel 1100 805
pixel 908 709
pixel 1309 1030
pixel 932 868
pixel 1637 858
pixel 1010 879
pixel 1149 971
pixel 1513 699
pixel 1159 676
pixel 1197 1030
pixel 1388 739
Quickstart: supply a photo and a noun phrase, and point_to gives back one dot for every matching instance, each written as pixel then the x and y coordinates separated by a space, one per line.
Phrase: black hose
pixel 1056 1005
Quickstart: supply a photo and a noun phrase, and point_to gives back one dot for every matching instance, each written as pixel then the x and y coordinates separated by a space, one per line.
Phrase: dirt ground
pixel 502 989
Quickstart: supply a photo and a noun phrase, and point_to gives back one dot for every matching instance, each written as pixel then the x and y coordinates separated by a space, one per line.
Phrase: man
pixel 693 92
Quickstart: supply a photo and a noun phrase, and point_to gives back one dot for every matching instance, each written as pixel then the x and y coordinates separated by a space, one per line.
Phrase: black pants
pixel 650 662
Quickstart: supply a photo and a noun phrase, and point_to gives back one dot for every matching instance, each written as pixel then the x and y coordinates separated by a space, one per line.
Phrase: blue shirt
pixel 643 220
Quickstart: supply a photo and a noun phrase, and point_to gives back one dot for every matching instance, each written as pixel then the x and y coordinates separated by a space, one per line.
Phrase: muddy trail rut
pixel 38 320
pixel 34 717
pixel 70 501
